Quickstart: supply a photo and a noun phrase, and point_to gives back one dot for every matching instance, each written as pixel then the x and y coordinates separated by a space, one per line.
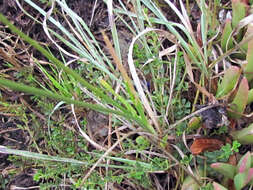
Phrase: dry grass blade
pixel 172 83
pixel 87 138
pixel 119 64
pixel 48 14
pixel 137 80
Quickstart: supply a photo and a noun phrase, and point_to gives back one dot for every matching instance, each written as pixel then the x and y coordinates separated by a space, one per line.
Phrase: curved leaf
pixel 217 186
pixel 239 12
pixel 249 66
pixel 244 136
pixel 226 39
pixel 244 163
pixel 227 170
pixel 240 100
pixel 242 179
pixel 229 81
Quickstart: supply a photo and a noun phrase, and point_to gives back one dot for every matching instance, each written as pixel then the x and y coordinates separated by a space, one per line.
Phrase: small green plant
pixel 228 150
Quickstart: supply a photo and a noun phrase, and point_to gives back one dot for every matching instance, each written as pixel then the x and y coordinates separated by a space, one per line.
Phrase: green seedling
pixel 194 123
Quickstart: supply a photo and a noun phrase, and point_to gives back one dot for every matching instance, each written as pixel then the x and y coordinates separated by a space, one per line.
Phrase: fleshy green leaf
pixel 238 11
pixel 249 67
pixel 250 96
pixel 244 136
pixel 226 39
pixel 229 81
pixel 242 179
pixel 217 186
pixel 227 170
pixel 240 100
pixel 244 163
pixel 194 123
pixel 190 183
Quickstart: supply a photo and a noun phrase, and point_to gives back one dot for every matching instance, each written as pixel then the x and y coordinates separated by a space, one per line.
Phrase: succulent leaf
pixel 217 186
pixel 226 39
pixel 249 57
pixel 244 136
pixel 239 12
pixel 228 82
pixel 240 101
pixel 244 163
pixel 227 170
pixel 242 179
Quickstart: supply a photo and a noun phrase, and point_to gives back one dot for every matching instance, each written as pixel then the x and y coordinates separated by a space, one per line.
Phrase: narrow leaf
pixel 59 64
pixel 45 93
pixel 28 154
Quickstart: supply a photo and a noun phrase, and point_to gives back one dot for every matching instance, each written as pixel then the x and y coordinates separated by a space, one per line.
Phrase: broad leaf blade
pixel 242 179
pixel 244 163
pixel 249 67
pixel 229 81
pixel 226 38
pixel 227 170
pixel 239 12
pixel 244 136
pixel 217 186
pixel 240 100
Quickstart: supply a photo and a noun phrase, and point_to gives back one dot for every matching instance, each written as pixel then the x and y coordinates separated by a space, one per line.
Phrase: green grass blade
pixel 121 99
pixel 58 63
pixel 39 156
pixel 28 154
pixel 35 91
